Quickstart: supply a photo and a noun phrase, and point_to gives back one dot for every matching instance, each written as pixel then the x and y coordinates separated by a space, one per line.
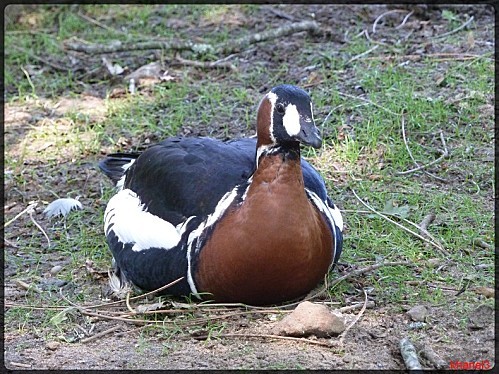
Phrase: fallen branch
pixel 234 47
pixel 118 46
pixel 409 355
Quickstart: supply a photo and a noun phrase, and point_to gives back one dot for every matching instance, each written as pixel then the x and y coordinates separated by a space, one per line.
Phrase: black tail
pixel 113 164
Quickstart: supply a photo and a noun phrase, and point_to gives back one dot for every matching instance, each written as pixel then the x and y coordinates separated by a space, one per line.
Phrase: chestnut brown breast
pixel 273 247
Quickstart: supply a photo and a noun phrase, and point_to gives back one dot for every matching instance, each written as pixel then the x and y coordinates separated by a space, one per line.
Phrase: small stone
pixel 416 325
pixel 418 313
pixel 53 345
pixel 434 262
pixel 56 269
pixel 481 317
pixel 311 319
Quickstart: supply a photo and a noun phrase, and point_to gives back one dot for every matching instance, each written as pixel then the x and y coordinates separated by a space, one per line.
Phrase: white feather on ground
pixel 62 207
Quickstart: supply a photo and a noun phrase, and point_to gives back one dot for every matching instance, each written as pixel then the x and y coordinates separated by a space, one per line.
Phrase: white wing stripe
pixel 132 224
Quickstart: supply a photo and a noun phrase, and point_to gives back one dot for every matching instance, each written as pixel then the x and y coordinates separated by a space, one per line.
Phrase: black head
pixel 285 116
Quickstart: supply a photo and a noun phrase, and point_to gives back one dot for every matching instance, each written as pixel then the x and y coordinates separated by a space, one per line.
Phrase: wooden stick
pixel 362 54
pixel 100 334
pixel 370 304
pixel 267 336
pixel 118 46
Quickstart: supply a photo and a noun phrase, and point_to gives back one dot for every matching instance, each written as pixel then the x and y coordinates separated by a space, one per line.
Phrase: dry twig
pixel 267 336
pixel 100 334
pixel 406 143
pixel 343 334
pixel 370 304
pixel 38 58
pixel 404 20
pixel 385 14
pixel 97 23
pixel 436 245
pixel 423 226
pixel 368 101
pixel 369 269
pixel 362 54
pixel 206 64
pixel 415 225
pixel 455 30
pixel 445 154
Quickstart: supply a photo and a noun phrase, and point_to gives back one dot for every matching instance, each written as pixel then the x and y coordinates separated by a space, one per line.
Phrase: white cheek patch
pixel 291 120
pixel 126 217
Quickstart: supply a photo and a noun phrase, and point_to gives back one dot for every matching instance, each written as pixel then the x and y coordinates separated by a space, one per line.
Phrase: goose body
pixel 246 220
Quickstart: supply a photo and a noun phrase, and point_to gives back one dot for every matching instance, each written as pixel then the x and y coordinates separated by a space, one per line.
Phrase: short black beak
pixel 309 134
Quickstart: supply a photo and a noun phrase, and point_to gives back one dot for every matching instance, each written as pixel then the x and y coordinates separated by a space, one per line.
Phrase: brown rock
pixel 310 319
pixel 53 345
pixel 418 313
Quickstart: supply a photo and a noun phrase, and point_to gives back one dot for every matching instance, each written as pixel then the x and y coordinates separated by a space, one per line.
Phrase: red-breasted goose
pixel 244 221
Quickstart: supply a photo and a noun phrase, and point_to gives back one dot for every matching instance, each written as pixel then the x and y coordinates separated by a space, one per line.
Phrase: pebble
pixel 416 325
pixel 481 317
pixel 56 269
pixel 311 319
pixel 53 345
pixel 418 313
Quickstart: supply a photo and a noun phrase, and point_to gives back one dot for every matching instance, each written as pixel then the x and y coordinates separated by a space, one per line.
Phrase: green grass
pixel 364 149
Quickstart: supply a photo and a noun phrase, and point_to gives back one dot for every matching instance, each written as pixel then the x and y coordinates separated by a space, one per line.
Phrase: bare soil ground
pixel 372 343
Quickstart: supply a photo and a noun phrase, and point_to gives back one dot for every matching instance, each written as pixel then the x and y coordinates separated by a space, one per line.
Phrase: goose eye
pixel 280 108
